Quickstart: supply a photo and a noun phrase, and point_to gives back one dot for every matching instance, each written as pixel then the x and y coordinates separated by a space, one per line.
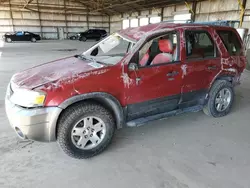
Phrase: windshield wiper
pixel 94 60
pixel 81 56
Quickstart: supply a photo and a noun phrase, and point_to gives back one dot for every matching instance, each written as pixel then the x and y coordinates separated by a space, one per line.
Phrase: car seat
pixel 166 48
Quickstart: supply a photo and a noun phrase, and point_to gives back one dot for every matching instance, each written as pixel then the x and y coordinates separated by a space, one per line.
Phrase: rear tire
pixel 83 39
pixel 71 137
pixel 33 39
pixel 218 106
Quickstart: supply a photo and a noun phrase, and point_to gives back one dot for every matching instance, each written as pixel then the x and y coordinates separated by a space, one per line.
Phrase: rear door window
pixel 231 42
pixel 199 44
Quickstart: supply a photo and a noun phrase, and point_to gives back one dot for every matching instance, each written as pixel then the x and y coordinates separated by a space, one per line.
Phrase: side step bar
pixel 144 120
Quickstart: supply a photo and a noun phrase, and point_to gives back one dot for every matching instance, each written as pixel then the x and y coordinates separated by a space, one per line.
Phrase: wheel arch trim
pixel 103 98
pixel 228 76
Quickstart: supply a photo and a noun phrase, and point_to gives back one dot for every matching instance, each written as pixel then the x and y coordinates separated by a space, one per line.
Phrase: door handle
pixel 173 73
pixel 213 67
pixel 137 80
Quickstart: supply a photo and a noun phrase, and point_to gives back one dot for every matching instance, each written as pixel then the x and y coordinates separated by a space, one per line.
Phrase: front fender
pixel 106 99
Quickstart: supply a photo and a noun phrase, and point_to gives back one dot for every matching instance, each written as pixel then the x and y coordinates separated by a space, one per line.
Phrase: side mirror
pixel 132 67
pixel 94 52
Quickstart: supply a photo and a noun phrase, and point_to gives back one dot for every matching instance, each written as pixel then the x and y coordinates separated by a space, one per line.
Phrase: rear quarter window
pixel 231 42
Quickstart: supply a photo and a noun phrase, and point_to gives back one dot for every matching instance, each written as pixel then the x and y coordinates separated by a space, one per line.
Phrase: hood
pixel 53 71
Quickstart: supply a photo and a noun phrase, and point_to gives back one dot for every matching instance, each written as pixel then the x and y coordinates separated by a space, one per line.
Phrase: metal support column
pixel 242 5
pixel 65 19
pixel 87 18
pixel 193 11
pixel 11 17
pixel 39 17
pixel 109 25
pixel 162 12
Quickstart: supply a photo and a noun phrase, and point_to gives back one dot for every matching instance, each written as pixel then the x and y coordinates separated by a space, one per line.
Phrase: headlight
pixel 28 98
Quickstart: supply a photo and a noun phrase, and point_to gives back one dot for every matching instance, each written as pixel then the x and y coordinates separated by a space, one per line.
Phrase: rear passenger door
pixel 27 36
pixel 90 34
pixel 201 64
pixel 96 34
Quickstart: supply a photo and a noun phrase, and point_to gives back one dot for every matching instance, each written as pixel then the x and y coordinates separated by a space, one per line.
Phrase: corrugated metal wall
pixel 49 17
pixel 210 10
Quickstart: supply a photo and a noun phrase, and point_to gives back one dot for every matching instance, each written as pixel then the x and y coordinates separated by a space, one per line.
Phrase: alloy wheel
pixel 88 133
pixel 223 99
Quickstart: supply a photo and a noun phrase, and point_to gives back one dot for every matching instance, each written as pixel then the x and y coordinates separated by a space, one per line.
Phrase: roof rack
pixel 229 23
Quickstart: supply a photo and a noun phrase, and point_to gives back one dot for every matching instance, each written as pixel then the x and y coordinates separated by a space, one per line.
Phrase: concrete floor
pixel 186 151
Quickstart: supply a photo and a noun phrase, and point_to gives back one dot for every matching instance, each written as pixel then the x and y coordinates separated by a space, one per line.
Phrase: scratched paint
pixel 126 80
pixel 184 70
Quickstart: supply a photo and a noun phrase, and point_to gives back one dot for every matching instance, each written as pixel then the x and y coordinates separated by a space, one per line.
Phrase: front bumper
pixel 37 124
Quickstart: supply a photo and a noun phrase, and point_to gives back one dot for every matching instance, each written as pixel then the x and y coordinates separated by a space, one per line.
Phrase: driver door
pixel 19 36
pixel 154 88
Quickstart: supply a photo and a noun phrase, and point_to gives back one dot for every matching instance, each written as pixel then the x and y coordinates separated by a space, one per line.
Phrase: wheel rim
pixel 33 39
pixel 88 133
pixel 223 99
pixel 8 40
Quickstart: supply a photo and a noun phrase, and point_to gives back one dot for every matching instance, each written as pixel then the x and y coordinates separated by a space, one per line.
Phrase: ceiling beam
pixel 89 5
pixel 27 3
pixel 118 5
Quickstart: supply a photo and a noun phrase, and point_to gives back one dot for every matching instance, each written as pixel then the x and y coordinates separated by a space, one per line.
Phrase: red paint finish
pixel 68 77
pixel 155 82
pixel 200 72
pixel 51 72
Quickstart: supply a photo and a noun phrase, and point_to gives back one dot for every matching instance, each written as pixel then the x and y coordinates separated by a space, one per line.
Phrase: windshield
pixel 110 50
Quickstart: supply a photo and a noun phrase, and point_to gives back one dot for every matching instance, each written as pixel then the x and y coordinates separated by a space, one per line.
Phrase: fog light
pixel 19 133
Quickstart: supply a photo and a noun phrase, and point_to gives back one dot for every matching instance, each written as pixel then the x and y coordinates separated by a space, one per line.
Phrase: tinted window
pixel 199 44
pixel 19 33
pixel 231 42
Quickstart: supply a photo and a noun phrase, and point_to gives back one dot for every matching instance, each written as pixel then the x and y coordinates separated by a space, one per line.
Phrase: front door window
pixel 160 50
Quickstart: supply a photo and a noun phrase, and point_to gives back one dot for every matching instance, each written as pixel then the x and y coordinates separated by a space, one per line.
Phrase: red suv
pixel 131 77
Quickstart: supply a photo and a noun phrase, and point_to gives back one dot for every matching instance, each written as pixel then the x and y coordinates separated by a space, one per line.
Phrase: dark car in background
pixel 75 36
pixel 94 34
pixel 21 36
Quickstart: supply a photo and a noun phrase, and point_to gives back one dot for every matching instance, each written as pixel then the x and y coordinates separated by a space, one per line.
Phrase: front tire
pixel 221 97
pixel 85 130
pixel 8 40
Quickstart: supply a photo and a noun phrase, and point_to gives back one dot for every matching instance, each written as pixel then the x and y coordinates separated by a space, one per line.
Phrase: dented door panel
pixel 198 73
pixel 158 88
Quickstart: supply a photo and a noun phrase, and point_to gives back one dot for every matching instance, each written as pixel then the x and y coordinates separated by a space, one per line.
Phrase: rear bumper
pixel 37 124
